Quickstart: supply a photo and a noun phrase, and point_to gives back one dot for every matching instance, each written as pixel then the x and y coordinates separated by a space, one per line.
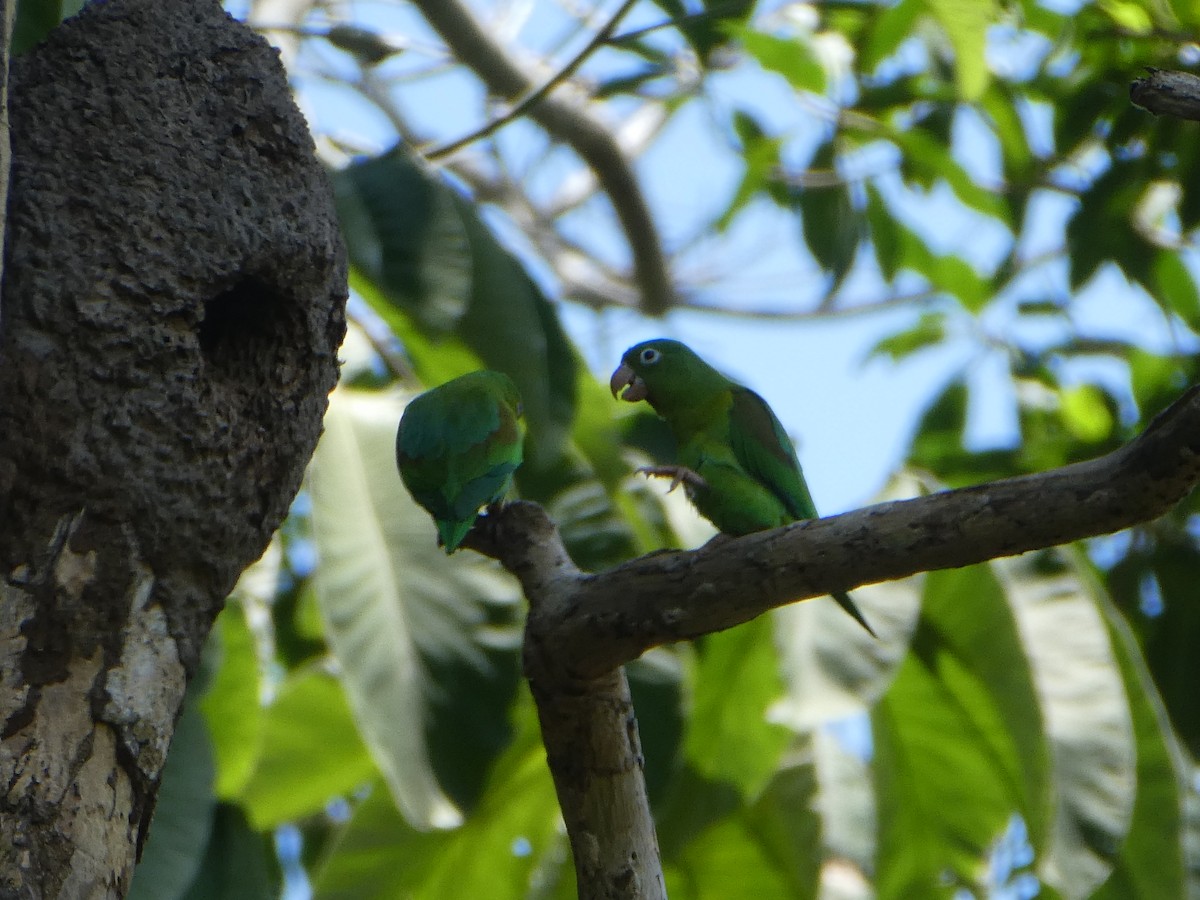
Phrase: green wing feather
pixel 766 453
pixel 457 448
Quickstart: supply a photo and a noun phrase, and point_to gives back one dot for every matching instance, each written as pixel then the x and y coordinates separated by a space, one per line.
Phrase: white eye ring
pixel 650 356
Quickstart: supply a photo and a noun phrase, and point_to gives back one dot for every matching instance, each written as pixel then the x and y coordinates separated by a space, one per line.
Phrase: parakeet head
pixel 664 372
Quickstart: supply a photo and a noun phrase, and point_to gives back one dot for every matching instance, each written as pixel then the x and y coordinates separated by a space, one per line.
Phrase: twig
pixel 574 126
pixel 535 96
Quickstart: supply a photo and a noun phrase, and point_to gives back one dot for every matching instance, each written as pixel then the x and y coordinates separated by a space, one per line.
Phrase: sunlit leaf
pixel 734 742
pixel 1085 413
pixel 1151 862
pixel 958 740
pixel 966 23
pixel 401 616
pixel 311 752
pixel 1087 720
pixel 231 704
pixel 793 58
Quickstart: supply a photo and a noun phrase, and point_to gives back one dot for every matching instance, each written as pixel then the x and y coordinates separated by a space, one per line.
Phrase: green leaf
pixel 926 154
pixel 183 814
pixel 239 863
pixel 885 234
pixel 966 23
pixel 311 752
pixel 1175 288
pixel 510 841
pixel 958 741
pixel 1151 862
pixel 766 850
pixel 891 26
pixel 760 156
pixel 929 331
pixel 1101 229
pixel 431 259
pixel 408 624
pixel 831 229
pixel 405 231
pixel 35 19
pixel 231 704
pixel 791 57
pixel 729 738
pixel 1086 414
pixel 949 274
pixel 1087 720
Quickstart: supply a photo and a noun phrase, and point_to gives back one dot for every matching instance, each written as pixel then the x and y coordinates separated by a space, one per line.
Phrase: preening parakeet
pixel 736 461
pixel 457 448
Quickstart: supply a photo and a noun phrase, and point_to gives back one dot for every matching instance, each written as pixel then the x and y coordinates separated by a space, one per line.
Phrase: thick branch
pixel 575 127
pixel 605 620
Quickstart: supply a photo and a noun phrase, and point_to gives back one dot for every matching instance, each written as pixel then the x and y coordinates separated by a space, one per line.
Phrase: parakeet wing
pixel 457 448
pixel 766 452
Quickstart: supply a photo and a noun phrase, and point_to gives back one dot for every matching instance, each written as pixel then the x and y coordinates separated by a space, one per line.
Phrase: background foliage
pixel 1024 728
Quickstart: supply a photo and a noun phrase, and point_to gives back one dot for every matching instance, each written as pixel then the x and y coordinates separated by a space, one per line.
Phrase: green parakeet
pixel 737 463
pixel 457 448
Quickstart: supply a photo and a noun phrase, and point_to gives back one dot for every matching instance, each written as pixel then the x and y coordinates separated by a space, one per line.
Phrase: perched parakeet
pixel 737 463
pixel 457 448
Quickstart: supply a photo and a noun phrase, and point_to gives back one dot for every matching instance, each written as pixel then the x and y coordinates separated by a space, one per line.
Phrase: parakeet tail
pixel 453 533
pixel 844 601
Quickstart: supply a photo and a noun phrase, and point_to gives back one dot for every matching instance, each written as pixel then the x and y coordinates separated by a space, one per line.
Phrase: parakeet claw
pixel 678 475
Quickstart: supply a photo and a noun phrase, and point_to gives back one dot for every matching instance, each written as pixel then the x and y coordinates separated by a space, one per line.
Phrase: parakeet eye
pixel 649 356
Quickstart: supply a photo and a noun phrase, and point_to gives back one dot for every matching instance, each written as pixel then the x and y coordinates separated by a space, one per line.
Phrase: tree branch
pixel 575 127
pixel 597 622
pixel 1168 94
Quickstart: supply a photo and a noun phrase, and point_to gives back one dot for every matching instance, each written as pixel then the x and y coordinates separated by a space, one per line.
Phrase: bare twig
pixel 531 99
pixel 576 127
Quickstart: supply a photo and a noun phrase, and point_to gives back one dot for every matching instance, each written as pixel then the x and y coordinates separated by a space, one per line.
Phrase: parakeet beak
pixel 625 377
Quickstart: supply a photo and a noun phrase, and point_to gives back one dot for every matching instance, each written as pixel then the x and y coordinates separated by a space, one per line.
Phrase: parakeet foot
pixel 678 475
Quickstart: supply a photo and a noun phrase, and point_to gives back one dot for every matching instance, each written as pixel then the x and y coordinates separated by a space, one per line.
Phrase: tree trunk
pixel 173 303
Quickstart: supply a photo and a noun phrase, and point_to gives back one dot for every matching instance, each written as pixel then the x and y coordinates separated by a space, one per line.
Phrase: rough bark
pixel 583 627
pixel 173 303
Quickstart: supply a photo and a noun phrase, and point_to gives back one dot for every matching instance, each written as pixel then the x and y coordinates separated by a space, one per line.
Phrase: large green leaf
pixel 432 260
pixel 966 23
pixel 958 741
pixel 239 863
pixel 1087 719
pixel 425 642
pixel 509 847
pixel 231 704
pixel 310 754
pixel 1151 859
pixel 729 738
pixel 183 814
pixel 768 849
